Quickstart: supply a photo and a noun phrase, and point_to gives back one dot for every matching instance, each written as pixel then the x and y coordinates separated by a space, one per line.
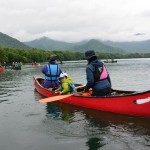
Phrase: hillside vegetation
pixel 9 42
pixel 28 56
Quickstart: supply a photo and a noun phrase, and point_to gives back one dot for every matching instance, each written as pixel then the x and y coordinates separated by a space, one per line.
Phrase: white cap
pixel 63 74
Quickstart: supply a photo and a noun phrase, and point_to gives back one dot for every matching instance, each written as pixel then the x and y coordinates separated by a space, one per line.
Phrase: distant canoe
pixel 110 61
pixel 36 64
pixel 13 68
pixel 2 69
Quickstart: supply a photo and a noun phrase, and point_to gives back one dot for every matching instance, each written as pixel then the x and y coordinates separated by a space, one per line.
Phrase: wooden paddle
pixel 78 87
pixel 59 97
pixel 54 98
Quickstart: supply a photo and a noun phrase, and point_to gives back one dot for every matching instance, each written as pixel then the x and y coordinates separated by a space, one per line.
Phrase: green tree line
pixel 27 56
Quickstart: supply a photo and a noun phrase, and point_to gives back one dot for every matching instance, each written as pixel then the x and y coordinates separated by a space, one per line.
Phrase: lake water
pixel 26 124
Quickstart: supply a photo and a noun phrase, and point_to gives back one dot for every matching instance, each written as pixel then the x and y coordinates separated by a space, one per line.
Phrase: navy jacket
pixel 99 85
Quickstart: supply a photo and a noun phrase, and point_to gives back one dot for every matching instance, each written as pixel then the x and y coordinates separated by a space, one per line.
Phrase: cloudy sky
pixel 75 20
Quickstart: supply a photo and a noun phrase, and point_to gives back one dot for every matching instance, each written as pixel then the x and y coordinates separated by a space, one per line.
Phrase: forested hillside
pixel 27 56
pixel 46 43
pixel 9 42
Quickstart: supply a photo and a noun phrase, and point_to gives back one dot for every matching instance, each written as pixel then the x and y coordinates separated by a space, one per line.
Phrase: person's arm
pixel 60 70
pixel 57 90
pixel 109 79
pixel 90 79
pixel 44 69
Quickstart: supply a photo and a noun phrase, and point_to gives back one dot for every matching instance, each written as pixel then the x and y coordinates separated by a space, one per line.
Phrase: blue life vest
pixel 53 72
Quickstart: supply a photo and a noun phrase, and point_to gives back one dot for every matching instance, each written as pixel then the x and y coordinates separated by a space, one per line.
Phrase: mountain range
pixel 46 43
pixel 131 47
pixel 9 42
pixel 49 44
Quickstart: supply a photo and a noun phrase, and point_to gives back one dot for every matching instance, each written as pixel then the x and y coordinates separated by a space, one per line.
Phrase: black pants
pixel 103 92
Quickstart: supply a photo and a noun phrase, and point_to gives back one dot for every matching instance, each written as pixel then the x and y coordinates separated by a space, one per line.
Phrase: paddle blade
pixel 54 98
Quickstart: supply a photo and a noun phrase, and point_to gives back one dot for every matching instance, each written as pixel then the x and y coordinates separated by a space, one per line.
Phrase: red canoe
pixel 122 102
pixel 1 69
pixel 36 64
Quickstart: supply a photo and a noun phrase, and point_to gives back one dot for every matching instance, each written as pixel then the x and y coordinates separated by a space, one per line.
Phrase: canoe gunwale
pixel 127 93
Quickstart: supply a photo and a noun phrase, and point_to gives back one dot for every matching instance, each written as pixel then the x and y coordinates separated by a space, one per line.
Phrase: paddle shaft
pixel 59 97
pixel 78 87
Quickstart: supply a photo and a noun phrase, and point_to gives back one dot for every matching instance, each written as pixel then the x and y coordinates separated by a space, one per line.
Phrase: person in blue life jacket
pixel 66 84
pixel 97 76
pixel 52 72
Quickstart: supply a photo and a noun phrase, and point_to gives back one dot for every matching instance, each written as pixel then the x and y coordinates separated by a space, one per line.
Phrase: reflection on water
pixel 29 125
pixel 95 143
pixel 100 128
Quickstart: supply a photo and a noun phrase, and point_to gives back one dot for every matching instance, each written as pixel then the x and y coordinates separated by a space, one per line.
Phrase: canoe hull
pixel 118 104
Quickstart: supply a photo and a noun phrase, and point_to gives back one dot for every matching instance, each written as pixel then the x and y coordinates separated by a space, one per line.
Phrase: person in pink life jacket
pixel 97 75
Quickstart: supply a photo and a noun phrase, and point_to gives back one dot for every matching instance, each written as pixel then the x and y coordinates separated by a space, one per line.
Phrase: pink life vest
pixel 104 73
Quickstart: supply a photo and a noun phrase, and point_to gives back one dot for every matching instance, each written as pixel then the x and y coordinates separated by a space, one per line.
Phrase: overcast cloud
pixel 75 20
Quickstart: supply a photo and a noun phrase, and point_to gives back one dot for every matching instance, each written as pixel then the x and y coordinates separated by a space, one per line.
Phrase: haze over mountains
pixel 131 47
pixel 46 43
